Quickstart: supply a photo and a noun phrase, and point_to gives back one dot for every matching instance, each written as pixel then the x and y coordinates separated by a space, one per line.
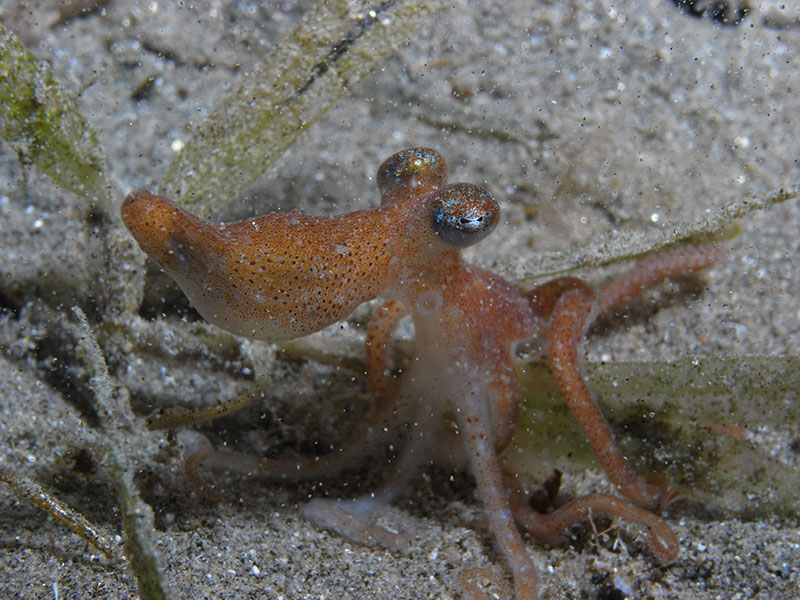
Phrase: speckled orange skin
pixel 275 277
pixel 282 276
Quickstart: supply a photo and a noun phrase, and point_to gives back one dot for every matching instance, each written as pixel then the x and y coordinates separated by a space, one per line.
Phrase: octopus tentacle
pixel 654 269
pixel 379 332
pixel 473 420
pixel 551 527
pixel 570 319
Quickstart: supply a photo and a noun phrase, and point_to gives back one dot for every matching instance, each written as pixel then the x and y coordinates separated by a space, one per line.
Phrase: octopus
pixel 282 276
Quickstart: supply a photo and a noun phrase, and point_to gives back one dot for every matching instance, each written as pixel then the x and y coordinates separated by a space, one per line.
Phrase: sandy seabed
pixel 583 118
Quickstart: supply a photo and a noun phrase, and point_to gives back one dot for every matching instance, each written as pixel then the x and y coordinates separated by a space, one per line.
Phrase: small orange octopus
pixel 282 276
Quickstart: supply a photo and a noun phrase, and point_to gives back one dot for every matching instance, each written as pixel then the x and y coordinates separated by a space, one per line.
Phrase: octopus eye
pixel 411 169
pixel 464 214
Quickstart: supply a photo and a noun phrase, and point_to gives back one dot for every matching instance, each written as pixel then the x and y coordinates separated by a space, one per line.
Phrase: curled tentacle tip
pixel 663 542
pixel 197 449
pixel 665 550
pixel 194 442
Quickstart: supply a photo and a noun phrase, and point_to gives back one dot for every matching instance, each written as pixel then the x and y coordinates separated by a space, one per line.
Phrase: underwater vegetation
pixel 691 421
